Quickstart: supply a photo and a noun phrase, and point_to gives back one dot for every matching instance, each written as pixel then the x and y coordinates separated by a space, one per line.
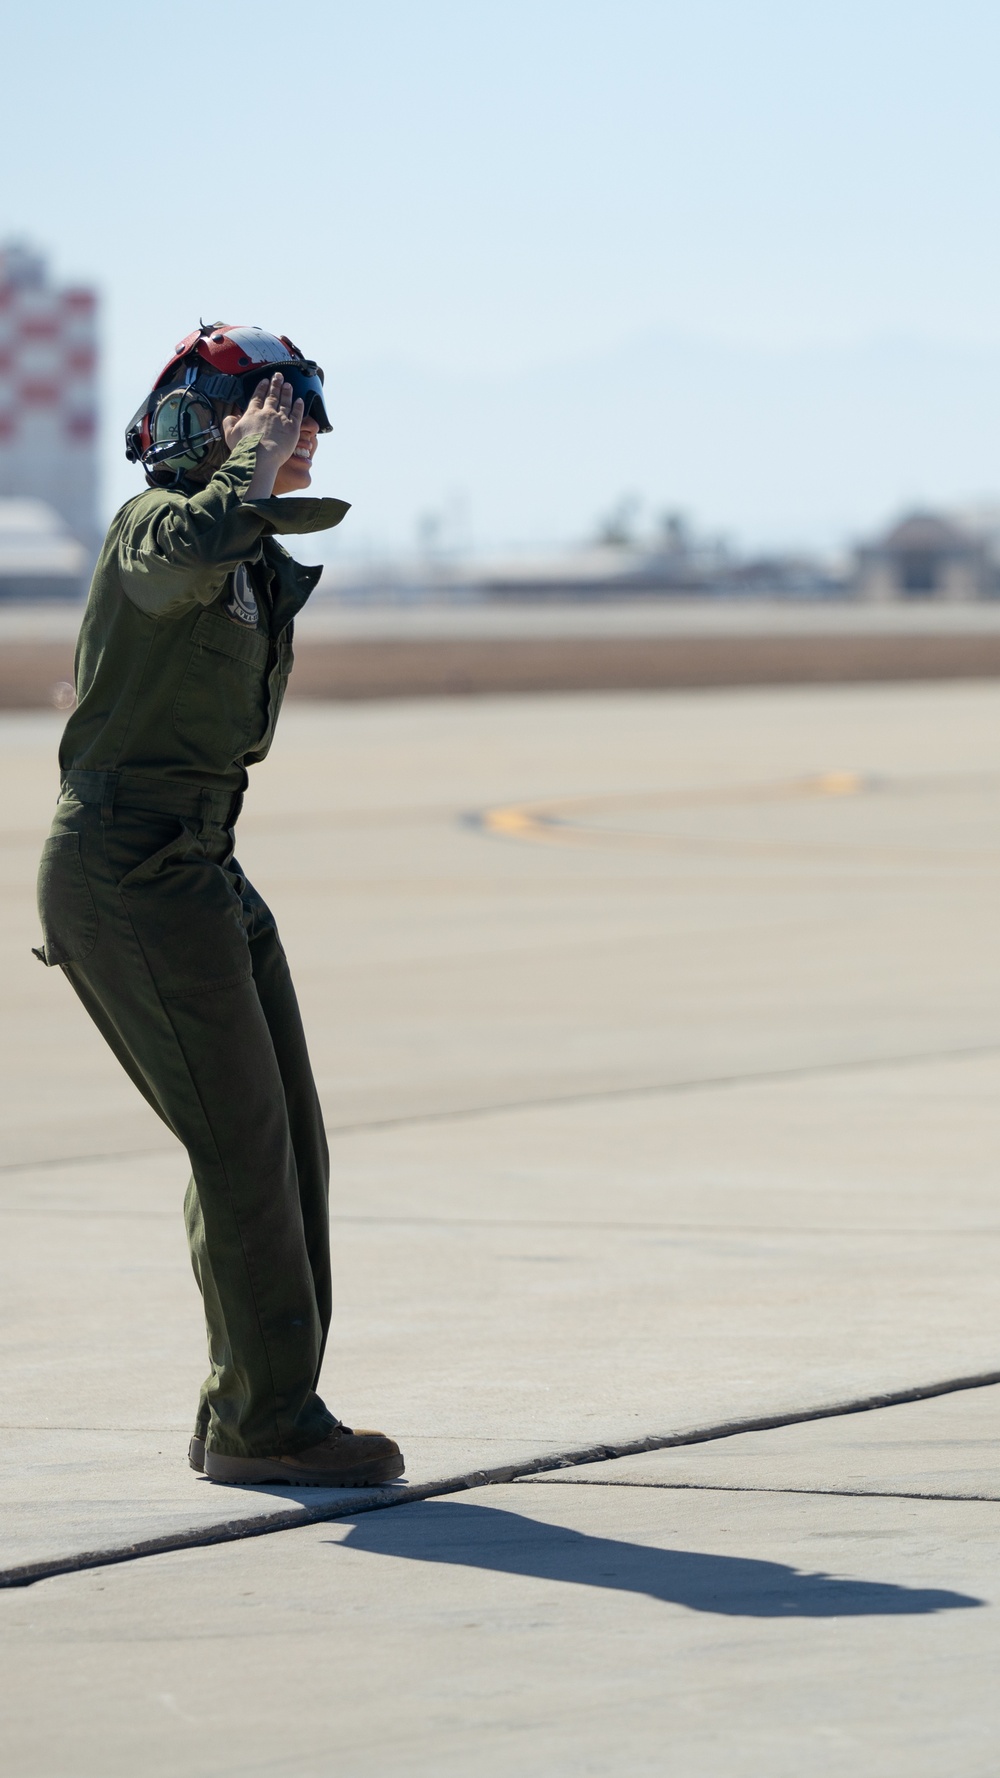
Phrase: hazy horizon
pixel 811 448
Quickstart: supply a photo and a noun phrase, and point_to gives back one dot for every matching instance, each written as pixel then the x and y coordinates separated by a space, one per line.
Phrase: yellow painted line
pixel 541 821
pixel 554 823
pixel 839 784
pixel 517 822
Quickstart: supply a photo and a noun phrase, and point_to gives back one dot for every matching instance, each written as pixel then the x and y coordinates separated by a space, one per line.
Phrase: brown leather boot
pixel 345 1459
pixel 196 1453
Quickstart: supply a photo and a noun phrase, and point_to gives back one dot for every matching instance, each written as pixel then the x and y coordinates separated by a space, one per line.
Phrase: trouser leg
pixel 171 985
pixel 279 1004
pixel 193 1220
pixel 113 1037
pixel 216 1075
pixel 219 1355
pixel 276 993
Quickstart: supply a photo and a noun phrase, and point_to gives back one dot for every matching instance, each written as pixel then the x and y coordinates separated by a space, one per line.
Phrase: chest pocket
pixel 281 666
pixel 221 703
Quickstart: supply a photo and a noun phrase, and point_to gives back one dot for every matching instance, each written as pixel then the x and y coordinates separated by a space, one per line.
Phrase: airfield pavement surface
pixel 659 1039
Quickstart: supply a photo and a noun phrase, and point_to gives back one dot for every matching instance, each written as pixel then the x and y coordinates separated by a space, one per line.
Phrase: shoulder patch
pixel 241 605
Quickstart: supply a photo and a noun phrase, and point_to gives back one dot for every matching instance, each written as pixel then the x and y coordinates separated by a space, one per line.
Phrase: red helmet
pixel 213 369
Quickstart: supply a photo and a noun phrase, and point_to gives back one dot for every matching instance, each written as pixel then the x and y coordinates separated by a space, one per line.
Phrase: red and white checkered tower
pixel 48 391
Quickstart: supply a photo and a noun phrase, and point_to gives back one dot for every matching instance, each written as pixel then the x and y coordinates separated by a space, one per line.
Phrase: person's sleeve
pixel 175 552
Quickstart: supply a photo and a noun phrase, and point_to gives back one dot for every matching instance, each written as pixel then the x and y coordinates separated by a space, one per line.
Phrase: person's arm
pixel 176 551
pixel 275 421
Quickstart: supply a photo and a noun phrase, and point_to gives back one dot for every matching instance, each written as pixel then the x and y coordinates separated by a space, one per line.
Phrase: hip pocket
pixel 65 904
pixel 188 920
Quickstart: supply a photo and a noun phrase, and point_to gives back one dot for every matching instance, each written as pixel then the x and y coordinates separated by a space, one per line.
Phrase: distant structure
pixel 672 563
pixel 48 426
pixel 39 559
pixel 926 556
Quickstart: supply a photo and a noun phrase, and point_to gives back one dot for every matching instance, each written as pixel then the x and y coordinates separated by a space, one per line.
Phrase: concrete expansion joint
pixel 588 1096
pixel 670 1088
pixel 399 1494
pixel 757 1488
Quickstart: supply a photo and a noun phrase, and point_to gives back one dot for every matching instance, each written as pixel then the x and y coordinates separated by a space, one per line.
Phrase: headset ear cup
pixel 183 430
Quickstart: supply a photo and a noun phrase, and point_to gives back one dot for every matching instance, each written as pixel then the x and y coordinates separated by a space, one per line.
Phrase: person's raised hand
pixel 275 421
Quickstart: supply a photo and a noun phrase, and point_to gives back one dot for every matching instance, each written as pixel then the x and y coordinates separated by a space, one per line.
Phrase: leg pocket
pixel 188 920
pixel 65 904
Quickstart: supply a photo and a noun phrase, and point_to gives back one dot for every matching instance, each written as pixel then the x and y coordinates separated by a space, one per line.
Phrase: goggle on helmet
pixel 214 369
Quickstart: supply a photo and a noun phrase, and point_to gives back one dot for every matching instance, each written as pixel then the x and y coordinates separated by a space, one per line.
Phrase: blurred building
pixel 48 407
pixel 39 558
pixel 927 556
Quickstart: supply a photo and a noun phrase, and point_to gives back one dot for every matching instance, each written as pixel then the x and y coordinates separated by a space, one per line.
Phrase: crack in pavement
pixel 264 1524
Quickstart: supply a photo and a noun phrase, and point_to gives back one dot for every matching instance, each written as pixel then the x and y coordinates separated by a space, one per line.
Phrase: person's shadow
pixel 735 1586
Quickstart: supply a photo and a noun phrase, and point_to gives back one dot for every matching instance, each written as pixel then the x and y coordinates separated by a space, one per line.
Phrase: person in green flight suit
pixel 182 662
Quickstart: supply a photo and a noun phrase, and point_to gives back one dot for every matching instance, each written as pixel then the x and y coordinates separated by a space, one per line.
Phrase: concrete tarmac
pixel 660 1046
pixel 670 1620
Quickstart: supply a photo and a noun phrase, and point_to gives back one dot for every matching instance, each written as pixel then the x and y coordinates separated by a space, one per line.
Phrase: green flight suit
pixel 182 663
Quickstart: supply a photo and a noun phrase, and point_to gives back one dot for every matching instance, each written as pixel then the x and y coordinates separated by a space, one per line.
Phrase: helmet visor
pixel 307 386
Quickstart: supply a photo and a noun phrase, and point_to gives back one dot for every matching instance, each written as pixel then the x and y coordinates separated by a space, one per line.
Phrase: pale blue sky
pixel 454 205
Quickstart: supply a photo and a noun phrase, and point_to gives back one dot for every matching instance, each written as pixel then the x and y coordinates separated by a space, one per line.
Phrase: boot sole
pixel 275 1469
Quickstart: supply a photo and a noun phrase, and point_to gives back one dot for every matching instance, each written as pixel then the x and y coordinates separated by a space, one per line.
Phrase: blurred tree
pixel 618 529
